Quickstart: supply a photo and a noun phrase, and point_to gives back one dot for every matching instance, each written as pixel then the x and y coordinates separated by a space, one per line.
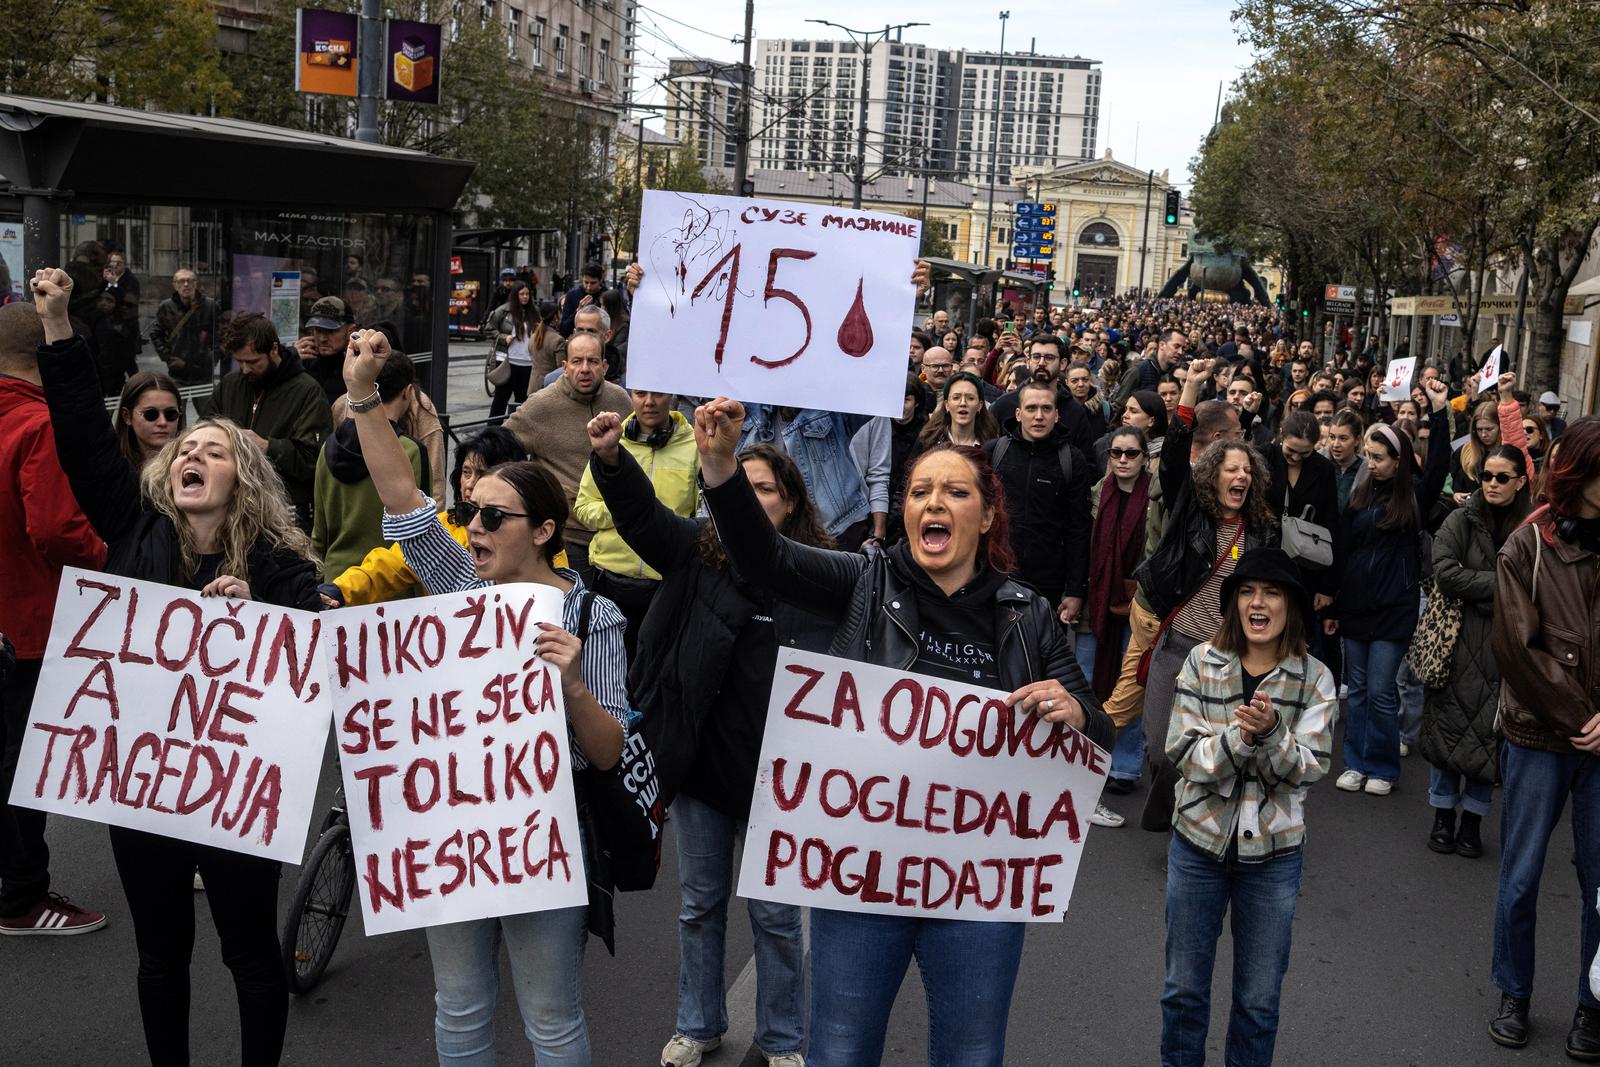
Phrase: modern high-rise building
pixel 702 109
pixel 1048 113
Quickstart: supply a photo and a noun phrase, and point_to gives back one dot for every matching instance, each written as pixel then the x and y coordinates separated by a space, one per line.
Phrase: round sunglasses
pixel 152 414
pixel 1499 477
pixel 464 510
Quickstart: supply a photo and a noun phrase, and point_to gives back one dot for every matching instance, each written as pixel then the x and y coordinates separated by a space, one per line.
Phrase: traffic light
pixel 1173 205
pixel 1305 313
pixel 1050 277
pixel 1077 286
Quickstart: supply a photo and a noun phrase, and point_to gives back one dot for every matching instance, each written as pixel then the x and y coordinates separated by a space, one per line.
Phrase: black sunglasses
pixel 1500 477
pixel 1125 453
pixel 152 414
pixel 492 516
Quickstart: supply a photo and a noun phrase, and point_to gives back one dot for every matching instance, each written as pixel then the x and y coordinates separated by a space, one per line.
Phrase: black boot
pixel 1468 843
pixel 1583 1042
pixel 1510 1027
pixel 1443 837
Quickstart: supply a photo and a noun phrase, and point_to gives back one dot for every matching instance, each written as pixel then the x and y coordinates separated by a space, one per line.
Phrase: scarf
pixel 1113 554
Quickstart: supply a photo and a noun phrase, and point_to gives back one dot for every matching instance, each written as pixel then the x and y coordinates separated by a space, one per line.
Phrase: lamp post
pixel 994 142
pixel 866 42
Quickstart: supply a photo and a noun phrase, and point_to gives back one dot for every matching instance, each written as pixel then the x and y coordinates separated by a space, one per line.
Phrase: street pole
pixel 1144 243
pixel 369 70
pixel 994 142
pixel 861 127
pixel 747 79
pixel 1522 303
pixel 638 186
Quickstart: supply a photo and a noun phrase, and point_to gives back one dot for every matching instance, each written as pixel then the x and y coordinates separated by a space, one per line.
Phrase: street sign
pixel 1030 251
pixel 1035 207
pixel 1034 223
pixel 1339 307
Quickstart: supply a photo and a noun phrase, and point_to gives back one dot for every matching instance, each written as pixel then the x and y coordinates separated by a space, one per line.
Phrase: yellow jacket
pixel 671 469
pixel 383 575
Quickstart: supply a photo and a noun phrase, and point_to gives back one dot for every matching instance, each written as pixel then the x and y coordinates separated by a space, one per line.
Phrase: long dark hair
pixel 523 316
pixel 803 524
pixel 548 315
pixel 1231 637
pixel 1400 507
pixel 542 498
pixel 1573 462
pixel 493 445
pixel 994 546
pixel 984 425
pixel 1256 513
pixel 141 383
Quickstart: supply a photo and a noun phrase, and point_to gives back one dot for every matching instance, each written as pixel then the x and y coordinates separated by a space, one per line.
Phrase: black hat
pixel 1271 565
pixel 329 313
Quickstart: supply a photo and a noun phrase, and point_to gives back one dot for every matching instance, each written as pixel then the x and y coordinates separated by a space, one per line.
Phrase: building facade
pixel 702 109
pixel 1021 110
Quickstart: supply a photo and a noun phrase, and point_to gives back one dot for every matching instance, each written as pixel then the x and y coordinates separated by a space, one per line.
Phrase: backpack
pixel 1064 453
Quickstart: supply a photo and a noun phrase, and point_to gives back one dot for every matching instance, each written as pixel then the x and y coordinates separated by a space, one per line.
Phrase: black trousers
pixel 24 856
pixel 158 879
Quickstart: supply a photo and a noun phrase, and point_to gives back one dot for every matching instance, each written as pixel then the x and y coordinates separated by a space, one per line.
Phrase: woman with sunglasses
pixel 149 414
pixel 948 579
pixel 1305 485
pixel 514 523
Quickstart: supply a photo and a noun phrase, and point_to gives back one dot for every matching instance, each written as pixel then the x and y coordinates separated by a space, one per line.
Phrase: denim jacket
pixel 819 443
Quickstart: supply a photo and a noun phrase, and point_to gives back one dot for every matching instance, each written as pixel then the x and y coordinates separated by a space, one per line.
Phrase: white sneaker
pixel 788 1059
pixel 686 1051
pixel 1405 750
pixel 1350 781
pixel 1378 787
pixel 1104 816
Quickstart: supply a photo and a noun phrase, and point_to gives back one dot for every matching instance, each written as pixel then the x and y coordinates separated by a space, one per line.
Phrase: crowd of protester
pixel 1176 526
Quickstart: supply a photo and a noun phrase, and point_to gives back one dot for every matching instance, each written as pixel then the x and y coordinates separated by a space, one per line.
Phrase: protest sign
pixel 1397 381
pixel 1489 376
pixel 884 791
pixel 773 302
pixel 452 738
pixel 193 717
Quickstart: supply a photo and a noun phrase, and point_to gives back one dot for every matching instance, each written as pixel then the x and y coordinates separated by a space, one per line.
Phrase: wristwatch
pixel 360 406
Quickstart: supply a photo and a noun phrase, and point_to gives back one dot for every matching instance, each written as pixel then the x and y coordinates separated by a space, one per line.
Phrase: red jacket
pixel 41 526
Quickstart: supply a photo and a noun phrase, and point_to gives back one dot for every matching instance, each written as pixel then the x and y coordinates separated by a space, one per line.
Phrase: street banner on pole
pixel 1489 376
pixel 1397 381
pixel 452 737
pixel 884 791
pixel 325 52
pixel 192 717
pixel 414 52
pixel 773 302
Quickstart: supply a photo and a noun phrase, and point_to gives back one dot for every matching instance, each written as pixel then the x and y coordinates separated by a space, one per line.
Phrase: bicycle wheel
pixel 317 914
pixel 488 369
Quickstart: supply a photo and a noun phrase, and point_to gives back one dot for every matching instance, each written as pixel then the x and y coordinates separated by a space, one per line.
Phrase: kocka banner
pixel 885 791
pixel 193 717
pixel 452 738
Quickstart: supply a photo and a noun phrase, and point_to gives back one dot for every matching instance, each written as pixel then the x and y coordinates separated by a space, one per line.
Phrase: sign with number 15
pixel 772 301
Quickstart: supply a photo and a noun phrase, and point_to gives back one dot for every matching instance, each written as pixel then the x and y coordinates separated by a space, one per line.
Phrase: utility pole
pixel 747 80
pixel 866 43
pixel 1144 243
pixel 994 142
pixel 369 70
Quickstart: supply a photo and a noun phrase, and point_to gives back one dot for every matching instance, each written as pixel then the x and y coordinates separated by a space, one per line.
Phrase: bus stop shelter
pixel 241 204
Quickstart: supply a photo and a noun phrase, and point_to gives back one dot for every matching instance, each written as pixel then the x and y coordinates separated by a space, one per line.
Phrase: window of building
pixel 584 70
pixel 514 26
pixel 605 62
pixel 561 51
pixel 1098 233
pixel 536 31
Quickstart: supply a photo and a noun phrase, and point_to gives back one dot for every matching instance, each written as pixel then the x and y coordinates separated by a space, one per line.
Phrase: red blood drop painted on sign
pixel 855 332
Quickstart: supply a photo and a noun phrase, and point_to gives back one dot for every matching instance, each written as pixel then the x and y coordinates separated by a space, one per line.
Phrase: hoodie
pixel 41 527
pixel 348 518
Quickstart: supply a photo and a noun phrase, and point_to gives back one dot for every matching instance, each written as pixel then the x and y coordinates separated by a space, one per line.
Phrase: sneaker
pixel 1378 787
pixel 787 1059
pixel 1350 781
pixel 684 1051
pixel 53 915
pixel 1104 816
pixel 1405 750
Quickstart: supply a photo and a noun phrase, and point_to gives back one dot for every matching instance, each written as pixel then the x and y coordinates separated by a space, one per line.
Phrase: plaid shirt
pixel 1253 792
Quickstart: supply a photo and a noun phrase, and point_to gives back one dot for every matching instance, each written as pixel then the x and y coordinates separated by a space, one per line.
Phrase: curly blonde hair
pixel 1256 513
pixel 258 510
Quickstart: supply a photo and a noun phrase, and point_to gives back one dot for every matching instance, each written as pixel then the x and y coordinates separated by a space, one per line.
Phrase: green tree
pixel 134 53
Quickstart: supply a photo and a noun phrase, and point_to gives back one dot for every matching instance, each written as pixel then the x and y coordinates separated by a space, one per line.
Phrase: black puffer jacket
pixel 874 603
pixel 140 541
pixel 1458 721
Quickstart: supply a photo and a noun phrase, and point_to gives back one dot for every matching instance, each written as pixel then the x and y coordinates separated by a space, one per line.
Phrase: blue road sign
pixel 1030 251
pixel 1035 223
pixel 1035 207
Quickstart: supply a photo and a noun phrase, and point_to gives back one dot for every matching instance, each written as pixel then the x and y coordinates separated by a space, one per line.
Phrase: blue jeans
pixel 1127 756
pixel 858 962
pixel 1372 710
pixel 1410 692
pixel 705 873
pixel 1535 786
pixel 1448 789
pixel 546 950
pixel 1261 896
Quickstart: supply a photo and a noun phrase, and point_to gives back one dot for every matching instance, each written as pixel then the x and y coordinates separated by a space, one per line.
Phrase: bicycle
pixel 321 902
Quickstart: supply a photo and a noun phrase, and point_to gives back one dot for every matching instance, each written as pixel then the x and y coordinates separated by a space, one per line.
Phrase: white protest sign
pixel 193 717
pixel 884 791
pixel 452 738
pixel 1397 381
pixel 1489 376
pixel 773 302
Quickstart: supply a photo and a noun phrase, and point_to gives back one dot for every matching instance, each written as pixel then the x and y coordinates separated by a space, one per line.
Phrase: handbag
pixel 1435 639
pixel 621 813
pixel 1307 543
pixel 501 374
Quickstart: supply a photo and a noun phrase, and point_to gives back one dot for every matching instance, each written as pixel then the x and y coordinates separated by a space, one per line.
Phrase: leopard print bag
pixel 1436 636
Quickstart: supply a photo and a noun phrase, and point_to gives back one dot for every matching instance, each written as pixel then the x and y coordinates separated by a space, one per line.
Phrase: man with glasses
pixel 278 404
pixel 937 366
pixel 1146 373
pixel 185 331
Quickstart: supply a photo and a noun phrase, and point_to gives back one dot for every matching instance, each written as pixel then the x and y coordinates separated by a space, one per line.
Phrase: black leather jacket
pixel 875 604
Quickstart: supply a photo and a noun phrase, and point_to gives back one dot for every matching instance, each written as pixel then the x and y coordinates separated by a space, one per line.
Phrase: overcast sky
pixel 1161 59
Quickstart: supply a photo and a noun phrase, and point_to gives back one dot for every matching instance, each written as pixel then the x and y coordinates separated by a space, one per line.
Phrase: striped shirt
pixel 444 566
pixel 1201 615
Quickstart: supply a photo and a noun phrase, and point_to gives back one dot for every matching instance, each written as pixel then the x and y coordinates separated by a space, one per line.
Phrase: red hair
pixel 1573 463
pixel 994 546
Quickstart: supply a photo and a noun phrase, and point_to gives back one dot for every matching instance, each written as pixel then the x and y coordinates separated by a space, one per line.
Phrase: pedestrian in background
pixel 513 326
pixel 149 413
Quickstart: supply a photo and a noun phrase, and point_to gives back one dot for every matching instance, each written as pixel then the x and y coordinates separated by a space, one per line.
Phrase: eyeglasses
pixel 154 414
pixel 1125 453
pixel 1499 477
pixel 492 516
